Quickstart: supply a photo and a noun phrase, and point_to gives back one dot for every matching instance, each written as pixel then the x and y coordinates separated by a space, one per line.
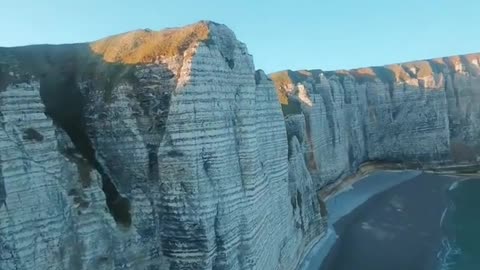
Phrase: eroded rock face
pixel 166 150
pixel 157 157
pixel 420 113
pixel 53 209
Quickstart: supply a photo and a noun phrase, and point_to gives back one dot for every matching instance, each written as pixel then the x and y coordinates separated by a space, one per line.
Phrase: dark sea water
pixel 461 224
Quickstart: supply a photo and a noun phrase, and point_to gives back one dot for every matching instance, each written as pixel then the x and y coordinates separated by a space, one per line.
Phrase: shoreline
pixel 351 194
pixel 317 251
pixel 397 229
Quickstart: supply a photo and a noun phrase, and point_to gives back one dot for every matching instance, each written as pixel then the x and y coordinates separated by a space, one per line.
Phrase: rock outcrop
pixel 415 113
pixel 167 150
pixel 149 150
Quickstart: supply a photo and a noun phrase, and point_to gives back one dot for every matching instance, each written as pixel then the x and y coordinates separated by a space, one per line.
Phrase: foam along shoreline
pixel 446 249
pixel 460 222
pixel 345 201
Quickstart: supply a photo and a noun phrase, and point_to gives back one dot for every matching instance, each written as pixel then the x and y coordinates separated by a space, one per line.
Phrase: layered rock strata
pixel 166 150
pixel 149 150
pixel 419 113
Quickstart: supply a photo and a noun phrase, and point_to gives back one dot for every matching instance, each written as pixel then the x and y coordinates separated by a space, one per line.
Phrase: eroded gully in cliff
pixel 64 103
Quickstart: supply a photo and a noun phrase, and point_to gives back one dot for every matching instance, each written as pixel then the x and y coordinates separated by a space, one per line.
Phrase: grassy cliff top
pixel 402 72
pixel 135 47
pixel 396 73
pixel 145 46
pixel 106 62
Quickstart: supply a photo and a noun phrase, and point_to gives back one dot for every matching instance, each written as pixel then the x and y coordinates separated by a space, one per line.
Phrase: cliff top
pixel 134 47
pixel 111 60
pixel 145 46
pixel 402 72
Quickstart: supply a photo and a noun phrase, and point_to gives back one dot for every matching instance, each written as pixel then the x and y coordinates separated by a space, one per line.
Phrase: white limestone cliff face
pixel 52 212
pixel 166 150
pixel 180 162
pixel 416 113
pixel 29 175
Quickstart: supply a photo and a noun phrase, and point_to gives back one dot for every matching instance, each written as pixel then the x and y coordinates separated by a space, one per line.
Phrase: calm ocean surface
pixel 461 246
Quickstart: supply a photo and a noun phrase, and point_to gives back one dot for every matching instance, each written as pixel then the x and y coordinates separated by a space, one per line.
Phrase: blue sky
pixel 295 34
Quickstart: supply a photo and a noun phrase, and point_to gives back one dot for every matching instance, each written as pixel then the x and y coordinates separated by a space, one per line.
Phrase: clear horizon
pixel 280 35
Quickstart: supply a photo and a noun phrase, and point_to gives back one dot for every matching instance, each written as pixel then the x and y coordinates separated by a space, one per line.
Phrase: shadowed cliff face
pixel 60 69
pixel 413 113
pixel 68 73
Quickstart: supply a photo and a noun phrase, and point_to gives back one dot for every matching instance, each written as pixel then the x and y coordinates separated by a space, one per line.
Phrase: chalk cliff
pixel 167 150
pixel 148 150
pixel 419 113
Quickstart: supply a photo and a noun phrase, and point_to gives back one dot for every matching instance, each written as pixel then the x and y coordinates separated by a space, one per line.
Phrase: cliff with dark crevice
pixel 148 150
